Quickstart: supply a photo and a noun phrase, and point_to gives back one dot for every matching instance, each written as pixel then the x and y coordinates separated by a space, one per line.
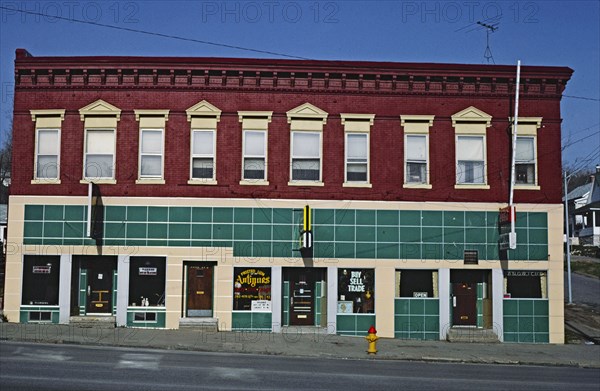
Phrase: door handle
pixel 454 301
pixel 292 300
pixel 89 290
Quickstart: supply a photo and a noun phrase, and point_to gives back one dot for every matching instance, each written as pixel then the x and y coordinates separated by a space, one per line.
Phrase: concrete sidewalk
pixel 295 342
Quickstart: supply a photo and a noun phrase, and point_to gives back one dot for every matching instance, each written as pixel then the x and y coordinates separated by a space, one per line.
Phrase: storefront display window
pixel 147 282
pixel 356 291
pixel 252 289
pixel 40 280
pixel 525 284
pixel 416 283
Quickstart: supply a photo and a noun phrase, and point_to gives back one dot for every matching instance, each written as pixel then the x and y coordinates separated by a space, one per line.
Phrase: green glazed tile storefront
pixel 338 233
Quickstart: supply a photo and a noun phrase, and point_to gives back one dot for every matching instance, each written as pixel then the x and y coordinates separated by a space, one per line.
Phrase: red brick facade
pixel 387 90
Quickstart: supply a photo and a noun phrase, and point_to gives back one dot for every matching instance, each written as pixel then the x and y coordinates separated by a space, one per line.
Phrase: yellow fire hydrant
pixel 372 339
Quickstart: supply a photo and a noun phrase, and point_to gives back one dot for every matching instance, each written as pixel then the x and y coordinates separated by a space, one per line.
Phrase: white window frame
pixel 528 128
pixel 114 156
pixel 255 121
pixel 306 118
pixel 534 161
pixel 203 156
pixel 100 116
pixel 292 157
pixel 141 154
pixel 37 155
pixel 367 162
pixel 471 122
pixel 425 181
pixel 355 123
pixel 484 161
pixel 417 125
pixel 47 120
pixel 265 134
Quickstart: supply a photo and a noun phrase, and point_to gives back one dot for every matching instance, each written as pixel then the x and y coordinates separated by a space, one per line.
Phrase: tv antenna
pixel 489 28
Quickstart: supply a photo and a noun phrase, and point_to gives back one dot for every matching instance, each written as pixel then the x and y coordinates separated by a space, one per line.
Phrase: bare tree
pixel 5 166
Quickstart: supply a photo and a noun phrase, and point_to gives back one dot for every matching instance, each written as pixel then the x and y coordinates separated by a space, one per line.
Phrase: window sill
pixel 527 187
pixel 417 186
pixel 254 182
pixel 357 184
pixel 150 181
pixel 99 181
pixel 200 182
pixel 47 181
pixel 473 186
pixel 306 183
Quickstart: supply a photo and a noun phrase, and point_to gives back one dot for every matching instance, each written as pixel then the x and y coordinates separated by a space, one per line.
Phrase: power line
pixel 582 97
pixel 158 34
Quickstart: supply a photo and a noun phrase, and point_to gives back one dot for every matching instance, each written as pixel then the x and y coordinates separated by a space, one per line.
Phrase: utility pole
pixel 568 240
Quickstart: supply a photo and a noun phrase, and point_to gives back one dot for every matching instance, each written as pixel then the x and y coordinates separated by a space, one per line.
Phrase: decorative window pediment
pixel 307 111
pixel 203 109
pixel 100 107
pixel 472 114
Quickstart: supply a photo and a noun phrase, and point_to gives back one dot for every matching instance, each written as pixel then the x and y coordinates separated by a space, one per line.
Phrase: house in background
pixel 587 211
pixel 264 195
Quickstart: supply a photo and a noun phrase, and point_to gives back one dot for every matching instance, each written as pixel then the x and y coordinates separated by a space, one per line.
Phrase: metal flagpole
pixel 512 243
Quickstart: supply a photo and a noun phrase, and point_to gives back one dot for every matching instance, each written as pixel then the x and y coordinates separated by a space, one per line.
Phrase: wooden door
pixel 302 297
pixel 465 304
pixel 99 287
pixel 199 290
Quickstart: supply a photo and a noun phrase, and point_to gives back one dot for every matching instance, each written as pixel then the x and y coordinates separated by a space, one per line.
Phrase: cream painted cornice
pixel 416 118
pixel 263 114
pixel 357 117
pixel 307 111
pixel 100 107
pixel 472 114
pixel 528 120
pixel 153 113
pixel 48 113
pixel 203 109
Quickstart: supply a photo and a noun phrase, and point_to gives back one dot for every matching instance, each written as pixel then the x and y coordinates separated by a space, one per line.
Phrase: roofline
pixel 25 60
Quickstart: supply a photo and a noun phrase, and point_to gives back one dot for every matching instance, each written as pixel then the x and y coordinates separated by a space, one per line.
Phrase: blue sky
pixel 561 33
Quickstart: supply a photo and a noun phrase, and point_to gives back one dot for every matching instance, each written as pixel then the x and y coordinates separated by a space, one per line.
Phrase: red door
pixel 199 290
pixel 302 297
pixel 464 311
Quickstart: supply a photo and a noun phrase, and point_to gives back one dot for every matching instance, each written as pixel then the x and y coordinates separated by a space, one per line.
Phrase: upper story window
pixel 151 144
pixel 254 146
pixel 306 156
pixel 470 127
pixel 526 177
pixel 203 149
pixel 357 129
pixel 470 160
pixel 203 154
pixel 47 145
pixel 306 164
pixel 416 150
pixel 100 124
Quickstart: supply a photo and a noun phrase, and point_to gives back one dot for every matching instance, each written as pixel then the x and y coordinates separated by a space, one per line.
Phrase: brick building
pixel 206 171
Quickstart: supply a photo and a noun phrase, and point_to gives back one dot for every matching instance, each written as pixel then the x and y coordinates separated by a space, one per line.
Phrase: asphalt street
pixel 25 366
pixel 585 290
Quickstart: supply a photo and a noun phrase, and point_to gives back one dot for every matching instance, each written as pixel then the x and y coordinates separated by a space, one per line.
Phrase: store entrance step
pixel 100 322
pixel 471 334
pixel 201 323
